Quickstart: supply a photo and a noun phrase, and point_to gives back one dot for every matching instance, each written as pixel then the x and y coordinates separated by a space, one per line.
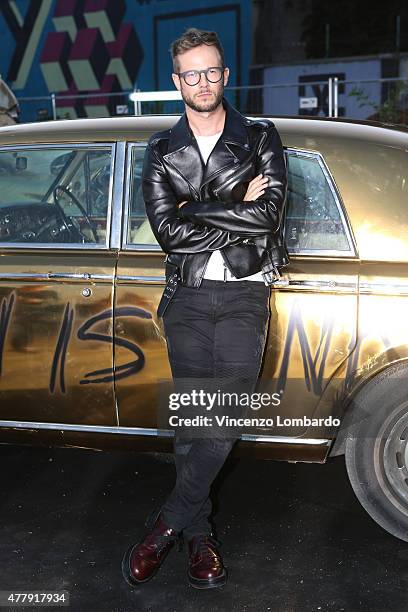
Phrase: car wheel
pixel 376 450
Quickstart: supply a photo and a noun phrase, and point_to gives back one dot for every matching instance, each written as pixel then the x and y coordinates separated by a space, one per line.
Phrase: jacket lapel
pixel 184 154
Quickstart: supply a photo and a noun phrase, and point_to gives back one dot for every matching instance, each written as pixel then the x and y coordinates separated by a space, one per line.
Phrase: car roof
pixel 130 128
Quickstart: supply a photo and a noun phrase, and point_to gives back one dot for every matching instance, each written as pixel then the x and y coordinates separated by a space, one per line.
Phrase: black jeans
pixel 217 331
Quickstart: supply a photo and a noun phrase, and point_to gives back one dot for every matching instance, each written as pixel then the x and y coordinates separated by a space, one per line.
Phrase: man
pixel 214 188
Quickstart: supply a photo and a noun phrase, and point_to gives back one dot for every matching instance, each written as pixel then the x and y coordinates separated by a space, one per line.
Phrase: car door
pixel 142 371
pixel 313 324
pixel 313 308
pixel 56 284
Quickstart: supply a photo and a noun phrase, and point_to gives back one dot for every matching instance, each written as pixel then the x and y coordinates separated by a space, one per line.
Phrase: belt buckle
pixel 272 275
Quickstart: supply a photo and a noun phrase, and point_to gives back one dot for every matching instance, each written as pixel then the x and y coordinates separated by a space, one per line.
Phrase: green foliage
pixel 389 111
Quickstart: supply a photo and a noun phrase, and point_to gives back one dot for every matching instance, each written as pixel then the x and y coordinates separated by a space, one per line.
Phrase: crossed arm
pixel 176 235
pixel 249 218
pixel 208 226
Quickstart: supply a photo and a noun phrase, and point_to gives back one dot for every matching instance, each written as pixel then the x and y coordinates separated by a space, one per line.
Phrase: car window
pixel 55 195
pixel 313 215
pixel 314 221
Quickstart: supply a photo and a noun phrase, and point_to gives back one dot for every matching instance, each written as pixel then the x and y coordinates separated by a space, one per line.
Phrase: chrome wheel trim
pixel 391 458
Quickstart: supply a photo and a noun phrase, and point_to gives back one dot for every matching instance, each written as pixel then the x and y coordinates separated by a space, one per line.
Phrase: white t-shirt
pixel 216 268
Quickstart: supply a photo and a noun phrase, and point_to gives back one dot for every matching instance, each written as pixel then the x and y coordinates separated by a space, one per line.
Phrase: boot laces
pixel 201 544
pixel 163 540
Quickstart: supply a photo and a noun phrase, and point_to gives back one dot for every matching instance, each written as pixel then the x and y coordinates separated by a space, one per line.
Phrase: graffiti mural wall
pixel 77 48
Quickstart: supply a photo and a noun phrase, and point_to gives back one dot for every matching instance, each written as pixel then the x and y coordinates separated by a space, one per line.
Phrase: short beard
pixel 209 107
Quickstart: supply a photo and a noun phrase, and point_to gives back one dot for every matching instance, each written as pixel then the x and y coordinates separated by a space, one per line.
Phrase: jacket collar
pixel 234 130
pixel 184 155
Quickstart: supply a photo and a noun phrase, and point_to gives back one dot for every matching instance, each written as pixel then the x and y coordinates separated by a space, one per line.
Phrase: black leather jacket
pixel 248 233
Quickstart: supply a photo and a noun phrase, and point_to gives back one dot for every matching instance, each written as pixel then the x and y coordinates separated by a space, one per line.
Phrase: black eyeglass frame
pixel 200 72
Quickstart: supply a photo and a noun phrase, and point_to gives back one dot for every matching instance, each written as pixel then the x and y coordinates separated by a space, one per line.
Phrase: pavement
pixel 294 537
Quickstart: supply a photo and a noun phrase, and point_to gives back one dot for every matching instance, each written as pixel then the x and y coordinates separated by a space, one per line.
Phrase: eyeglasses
pixel 192 77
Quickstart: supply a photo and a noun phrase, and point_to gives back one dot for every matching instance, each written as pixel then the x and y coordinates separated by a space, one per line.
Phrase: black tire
pixel 376 449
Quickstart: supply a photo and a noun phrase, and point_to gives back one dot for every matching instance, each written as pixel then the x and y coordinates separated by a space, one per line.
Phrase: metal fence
pixel 384 100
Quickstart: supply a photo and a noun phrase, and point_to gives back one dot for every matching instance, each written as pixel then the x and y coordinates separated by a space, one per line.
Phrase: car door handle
pixel 79 276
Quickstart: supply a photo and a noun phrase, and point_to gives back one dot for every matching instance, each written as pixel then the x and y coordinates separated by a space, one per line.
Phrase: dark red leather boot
pixel 206 570
pixel 142 560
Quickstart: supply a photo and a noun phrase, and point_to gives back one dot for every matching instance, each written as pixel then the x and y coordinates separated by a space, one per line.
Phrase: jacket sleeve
pixel 249 218
pixel 175 235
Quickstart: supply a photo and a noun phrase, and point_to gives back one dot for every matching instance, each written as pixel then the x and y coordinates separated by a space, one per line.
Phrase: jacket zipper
pixel 203 271
pixel 215 174
pixel 226 266
pixel 229 181
pixel 183 261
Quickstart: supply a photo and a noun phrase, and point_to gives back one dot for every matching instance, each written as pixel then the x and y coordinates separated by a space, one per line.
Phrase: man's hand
pixel 182 204
pixel 256 188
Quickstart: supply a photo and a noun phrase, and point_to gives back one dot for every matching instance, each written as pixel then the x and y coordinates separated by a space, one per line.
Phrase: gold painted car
pixel 83 358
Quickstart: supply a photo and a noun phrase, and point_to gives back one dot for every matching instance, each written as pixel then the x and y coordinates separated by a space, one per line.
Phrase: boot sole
pixel 127 574
pixel 211 583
